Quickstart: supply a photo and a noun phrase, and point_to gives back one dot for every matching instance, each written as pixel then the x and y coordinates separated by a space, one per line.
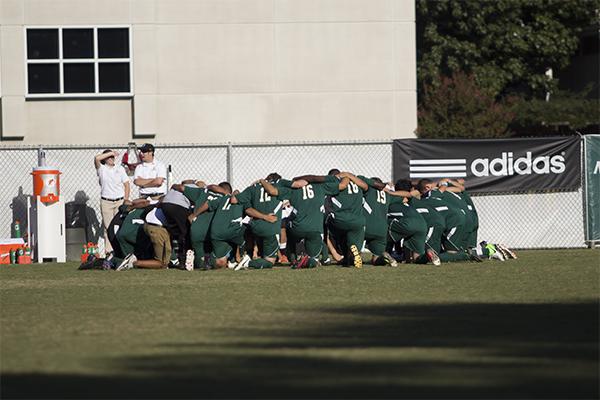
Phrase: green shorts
pixel 200 228
pixel 267 246
pixel 223 248
pixel 454 238
pixel 412 230
pixel 434 237
pixel 313 242
pixel 376 244
pixel 348 233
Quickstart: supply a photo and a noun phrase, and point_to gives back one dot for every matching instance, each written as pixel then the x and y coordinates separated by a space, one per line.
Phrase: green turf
pixel 520 329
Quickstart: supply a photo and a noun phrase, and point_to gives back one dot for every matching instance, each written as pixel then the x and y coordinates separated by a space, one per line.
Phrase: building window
pixel 78 62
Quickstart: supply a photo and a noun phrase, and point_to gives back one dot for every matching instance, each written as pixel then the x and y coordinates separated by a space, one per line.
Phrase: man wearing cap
pixel 151 175
pixel 114 189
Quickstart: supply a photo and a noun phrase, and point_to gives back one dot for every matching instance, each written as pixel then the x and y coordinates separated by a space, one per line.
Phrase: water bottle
pixel 17 229
pixel 84 253
pixel 101 248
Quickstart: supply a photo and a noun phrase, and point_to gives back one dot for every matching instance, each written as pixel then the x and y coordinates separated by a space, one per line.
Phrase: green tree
pixel 457 108
pixel 508 45
pixel 565 112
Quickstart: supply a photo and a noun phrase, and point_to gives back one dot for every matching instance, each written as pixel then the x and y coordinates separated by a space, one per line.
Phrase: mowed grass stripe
pixel 523 328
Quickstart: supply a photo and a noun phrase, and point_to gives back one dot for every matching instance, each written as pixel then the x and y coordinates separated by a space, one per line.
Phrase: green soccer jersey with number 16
pixel 308 203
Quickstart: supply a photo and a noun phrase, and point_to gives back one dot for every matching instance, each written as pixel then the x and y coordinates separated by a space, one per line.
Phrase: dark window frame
pixel 95 60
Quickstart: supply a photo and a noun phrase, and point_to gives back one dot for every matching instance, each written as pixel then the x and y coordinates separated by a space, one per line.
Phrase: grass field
pixel 526 328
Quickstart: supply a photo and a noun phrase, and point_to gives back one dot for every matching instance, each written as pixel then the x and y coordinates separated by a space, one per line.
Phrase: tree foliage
pixel 457 108
pixel 508 45
pixel 566 110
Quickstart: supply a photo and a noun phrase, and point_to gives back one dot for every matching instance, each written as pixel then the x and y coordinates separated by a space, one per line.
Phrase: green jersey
pixel 452 214
pixel 470 206
pixel 375 209
pixel 454 199
pixel 427 209
pixel 308 203
pixel 399 209
pixel 199 195
pixel 256 196
pixel 132 223
pixel 467 198
pixel 131 232
pixel 348 205
pixel 227 221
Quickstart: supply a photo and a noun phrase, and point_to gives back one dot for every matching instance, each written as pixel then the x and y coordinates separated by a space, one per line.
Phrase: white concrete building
pixel 206 71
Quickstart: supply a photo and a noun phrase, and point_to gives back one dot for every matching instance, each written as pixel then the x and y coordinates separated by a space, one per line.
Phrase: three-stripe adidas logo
pixel 437 168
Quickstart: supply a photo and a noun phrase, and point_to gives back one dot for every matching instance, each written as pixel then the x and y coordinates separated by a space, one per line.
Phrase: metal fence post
pixel 230 163
pixel 41 156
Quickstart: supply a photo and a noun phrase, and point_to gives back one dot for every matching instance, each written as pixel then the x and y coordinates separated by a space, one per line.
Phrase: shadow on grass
pixel 391 351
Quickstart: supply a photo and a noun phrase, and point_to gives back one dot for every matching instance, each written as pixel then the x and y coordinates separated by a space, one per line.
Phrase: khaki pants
pixel 108 209
pixel 161 243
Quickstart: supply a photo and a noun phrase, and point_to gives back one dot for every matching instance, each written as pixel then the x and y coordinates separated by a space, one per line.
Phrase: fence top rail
pixel 199 145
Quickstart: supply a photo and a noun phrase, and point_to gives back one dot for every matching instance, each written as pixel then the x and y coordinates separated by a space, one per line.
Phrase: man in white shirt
pixel 114 189
pixel 151 175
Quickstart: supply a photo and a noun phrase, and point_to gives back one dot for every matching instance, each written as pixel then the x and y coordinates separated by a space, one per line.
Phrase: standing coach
pixel 114 189
pixel 151 175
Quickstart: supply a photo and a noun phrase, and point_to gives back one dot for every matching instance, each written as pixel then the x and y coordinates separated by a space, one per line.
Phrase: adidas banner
pixel 493 165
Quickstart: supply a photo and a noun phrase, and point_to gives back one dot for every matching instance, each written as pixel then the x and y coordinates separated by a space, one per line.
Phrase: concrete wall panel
pixel 145 59
pixel 406 61
pixel 404 10
pixel 214 118
pixel 286 117
pixel 143 11
pixel 146 114
pixel 76 12
pixel 405 104
pixel 214 58
pixel 78 121
pixel 335 57
pixel 13 68
pixel 334 10
pixel 213 11
pixel 11 12
pixel 14 120
pixel 333 116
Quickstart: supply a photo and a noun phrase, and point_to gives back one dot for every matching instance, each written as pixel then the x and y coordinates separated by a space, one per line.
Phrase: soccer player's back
pixel 198 193
pixel 263 201
pixel 348 222
pixel 375 210
pixel 307 222
pixel 406 223
pixel 226 230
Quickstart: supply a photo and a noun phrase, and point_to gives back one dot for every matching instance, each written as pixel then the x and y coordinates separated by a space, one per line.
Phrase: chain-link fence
pixel 519 220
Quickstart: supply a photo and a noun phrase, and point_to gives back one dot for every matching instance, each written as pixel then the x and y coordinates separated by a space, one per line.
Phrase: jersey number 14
pixel 264 196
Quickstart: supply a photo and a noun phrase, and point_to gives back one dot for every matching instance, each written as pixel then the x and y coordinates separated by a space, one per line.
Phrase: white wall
pixel 229 70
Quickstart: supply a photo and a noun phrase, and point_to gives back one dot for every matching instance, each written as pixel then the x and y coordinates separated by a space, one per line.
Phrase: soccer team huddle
pixel 312 220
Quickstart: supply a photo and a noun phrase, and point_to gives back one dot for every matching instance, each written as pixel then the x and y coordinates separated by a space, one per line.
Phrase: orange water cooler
pixel 47 216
